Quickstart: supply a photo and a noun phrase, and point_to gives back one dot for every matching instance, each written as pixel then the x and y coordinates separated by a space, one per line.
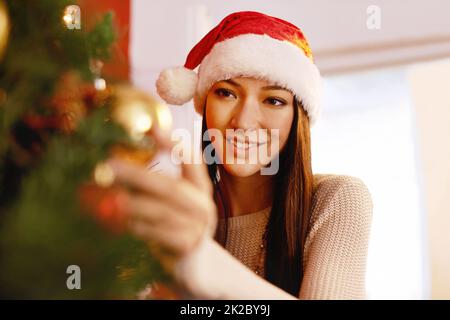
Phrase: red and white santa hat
pixel 247 44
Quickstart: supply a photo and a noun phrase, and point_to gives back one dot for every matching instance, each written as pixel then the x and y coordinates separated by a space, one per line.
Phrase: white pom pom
pixel 177 85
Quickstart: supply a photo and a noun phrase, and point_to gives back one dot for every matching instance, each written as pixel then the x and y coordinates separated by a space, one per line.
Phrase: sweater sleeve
pixel 337 243
pixel 211 272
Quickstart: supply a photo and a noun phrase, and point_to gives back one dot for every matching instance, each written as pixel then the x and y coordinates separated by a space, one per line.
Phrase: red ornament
pixel 106 205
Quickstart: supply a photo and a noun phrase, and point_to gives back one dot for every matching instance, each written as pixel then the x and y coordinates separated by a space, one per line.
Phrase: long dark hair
pixel 291 206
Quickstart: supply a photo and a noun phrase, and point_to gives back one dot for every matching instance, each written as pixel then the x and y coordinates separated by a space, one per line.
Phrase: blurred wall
pixel 430 84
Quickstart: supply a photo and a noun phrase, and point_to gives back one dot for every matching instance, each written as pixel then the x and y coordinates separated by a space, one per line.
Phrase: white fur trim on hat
pixel 261 56
pixel 177 85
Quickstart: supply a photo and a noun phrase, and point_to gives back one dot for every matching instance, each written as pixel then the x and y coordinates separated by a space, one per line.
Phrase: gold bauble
pixel 138 112
pixel 4 28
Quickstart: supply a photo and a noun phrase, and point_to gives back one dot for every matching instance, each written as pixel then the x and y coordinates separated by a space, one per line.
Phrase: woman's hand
pixel 171 214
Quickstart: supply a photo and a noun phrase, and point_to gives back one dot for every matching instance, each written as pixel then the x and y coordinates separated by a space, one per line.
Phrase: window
pixel 367 131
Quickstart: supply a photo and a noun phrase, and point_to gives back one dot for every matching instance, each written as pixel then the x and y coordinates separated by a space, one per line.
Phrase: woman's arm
pixel 337 244
pixel 211 272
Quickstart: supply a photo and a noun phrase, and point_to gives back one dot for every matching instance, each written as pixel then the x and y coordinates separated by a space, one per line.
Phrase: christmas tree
pixel 56 127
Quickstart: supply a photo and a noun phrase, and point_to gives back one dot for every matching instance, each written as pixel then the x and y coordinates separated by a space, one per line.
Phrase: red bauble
pixel 106 205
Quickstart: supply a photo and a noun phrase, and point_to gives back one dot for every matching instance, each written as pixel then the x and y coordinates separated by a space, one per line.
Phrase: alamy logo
pixel 373 21
pixel 234 146
pixel 74 280
pixel 72 17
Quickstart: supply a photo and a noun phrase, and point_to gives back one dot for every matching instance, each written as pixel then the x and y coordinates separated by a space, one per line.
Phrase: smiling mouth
pixel 244 145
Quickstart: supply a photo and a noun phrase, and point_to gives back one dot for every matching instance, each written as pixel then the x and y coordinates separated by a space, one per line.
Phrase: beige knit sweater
pixel 336 245
pixel 335 251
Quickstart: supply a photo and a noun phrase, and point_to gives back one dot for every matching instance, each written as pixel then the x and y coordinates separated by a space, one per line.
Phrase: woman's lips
pixel 242 146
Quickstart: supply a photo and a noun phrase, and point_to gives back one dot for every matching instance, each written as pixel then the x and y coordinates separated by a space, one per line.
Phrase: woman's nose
pixel 247 115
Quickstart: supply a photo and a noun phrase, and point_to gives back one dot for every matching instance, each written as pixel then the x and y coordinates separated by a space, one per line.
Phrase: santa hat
pixel 248 44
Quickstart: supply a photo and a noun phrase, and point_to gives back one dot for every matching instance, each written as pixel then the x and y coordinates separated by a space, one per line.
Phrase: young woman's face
pixel 252 119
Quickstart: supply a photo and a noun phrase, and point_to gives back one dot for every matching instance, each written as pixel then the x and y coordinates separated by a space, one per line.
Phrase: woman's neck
pixel 247 194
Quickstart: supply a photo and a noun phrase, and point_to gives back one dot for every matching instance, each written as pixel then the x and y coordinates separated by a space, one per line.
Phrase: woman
pixel 265 229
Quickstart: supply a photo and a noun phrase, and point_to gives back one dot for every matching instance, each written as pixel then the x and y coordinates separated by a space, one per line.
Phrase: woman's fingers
pixel 141 179
pixel 180 240
pixel 197 174
pixel 179 193
pixel 162 138
pixel 172 212
pixel 154 211
pixel 142 208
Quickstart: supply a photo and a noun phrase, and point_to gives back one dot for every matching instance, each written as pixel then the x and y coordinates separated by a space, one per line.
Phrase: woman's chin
pixel 242 170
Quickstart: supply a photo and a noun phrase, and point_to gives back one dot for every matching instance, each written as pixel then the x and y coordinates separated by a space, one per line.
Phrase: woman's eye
pixel 224 93
pixel 275 102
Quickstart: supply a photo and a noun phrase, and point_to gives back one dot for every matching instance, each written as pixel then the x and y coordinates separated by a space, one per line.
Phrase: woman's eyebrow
pixel 274 88
pixel 232 82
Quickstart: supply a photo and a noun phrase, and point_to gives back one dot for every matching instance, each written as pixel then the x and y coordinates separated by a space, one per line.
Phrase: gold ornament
pixel 4 28
pixel 103 175
pixel 137 112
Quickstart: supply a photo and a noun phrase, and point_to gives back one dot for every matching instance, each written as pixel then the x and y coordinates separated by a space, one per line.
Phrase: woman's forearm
pixel 211 272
